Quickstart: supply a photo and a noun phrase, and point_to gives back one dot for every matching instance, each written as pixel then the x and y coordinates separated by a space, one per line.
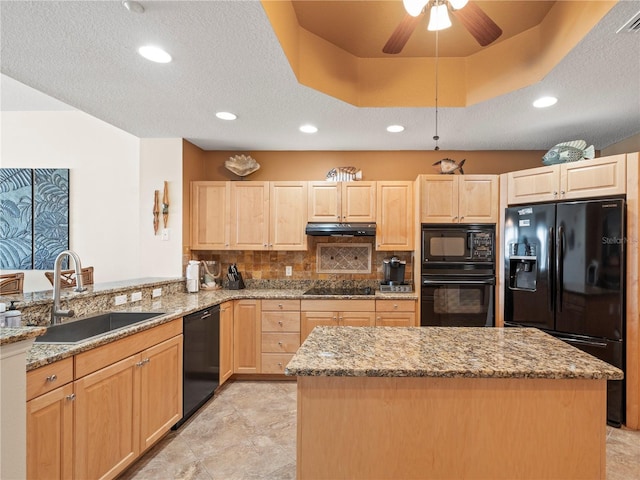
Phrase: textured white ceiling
pixel 227 57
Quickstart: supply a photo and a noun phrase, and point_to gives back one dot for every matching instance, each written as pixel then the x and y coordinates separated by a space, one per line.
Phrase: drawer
pixel 280 342
pixel 280 305
pixel 280 321
pixel 275 362
pixel 338 305
pixel 47 378
pixel 395 306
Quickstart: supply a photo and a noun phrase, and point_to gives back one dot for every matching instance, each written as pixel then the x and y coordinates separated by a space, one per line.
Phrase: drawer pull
pixel 280 305
pixel 280 343
pixel 71 397
pixel 395 306
pixel 52 378
pixel 280 364
pixel 280 322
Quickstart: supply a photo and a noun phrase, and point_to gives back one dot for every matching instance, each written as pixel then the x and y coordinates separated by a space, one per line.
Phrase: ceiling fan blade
pixel 483 29
pixel 401 34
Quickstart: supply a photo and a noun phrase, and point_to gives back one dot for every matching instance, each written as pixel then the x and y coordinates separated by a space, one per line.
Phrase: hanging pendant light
pixel 414 7
pixel 436 137
pixel 439 17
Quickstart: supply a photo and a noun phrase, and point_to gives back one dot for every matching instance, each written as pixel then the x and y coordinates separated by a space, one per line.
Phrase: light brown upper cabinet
pixel 288 208
pixel 248 215
pixel 568 181
pixel 210 215
pixel 394 220
pixel 459 198
pixel 342 202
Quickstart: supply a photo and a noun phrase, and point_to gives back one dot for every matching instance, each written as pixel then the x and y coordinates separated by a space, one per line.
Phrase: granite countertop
pixel 475 352
pixel 174 306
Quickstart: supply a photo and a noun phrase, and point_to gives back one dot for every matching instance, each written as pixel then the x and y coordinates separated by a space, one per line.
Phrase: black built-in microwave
pixel 458 244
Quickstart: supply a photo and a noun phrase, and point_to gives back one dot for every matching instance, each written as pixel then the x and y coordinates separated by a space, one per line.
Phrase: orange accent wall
pixel 375 165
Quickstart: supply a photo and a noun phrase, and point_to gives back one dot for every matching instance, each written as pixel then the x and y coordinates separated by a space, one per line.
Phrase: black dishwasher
pixel 201 359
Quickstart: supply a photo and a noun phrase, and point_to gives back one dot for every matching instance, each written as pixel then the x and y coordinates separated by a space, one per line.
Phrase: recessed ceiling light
pixel 395 128
pixel 544 102
pixel 308 129
pixel 155 54
pixel 133 6
pixel 226 116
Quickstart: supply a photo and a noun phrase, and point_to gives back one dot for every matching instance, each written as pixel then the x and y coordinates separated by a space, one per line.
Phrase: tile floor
pixel 248 431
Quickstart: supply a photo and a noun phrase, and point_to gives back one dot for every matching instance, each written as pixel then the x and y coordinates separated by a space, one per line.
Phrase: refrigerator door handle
pixel 550 288
pixel 560 266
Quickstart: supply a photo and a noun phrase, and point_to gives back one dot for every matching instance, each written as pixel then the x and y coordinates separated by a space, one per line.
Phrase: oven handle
pixel 479 281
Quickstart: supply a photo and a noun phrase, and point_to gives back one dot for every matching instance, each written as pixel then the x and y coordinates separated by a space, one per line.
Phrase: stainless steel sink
pixel 83 329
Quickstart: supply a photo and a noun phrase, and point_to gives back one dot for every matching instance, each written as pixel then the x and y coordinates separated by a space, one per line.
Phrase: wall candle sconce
pixel 156 211
pixel 165 205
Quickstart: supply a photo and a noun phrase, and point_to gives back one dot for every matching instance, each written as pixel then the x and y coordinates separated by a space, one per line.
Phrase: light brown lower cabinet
pixel 395 313
pixel 280 334
pixel 246 336
pixel 125 396
pixel 348 313
pixel 226 341
pixel 50 434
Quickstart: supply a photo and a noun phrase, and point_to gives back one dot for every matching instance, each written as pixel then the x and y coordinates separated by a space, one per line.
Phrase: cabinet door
pixel 478 202
pixel 210 215
pixel 357 319
pixel 288 211
pixel 593 178
pixel 161 390
pixel 358 202
pixel 310 320
pixel 395 319
pixel 324 202
pixel 226 341
pixel 50 434
pixel 107 423
pixel 395 216
pixel 246 336
pixel 250 215
pixel 439 199
pixel 540 184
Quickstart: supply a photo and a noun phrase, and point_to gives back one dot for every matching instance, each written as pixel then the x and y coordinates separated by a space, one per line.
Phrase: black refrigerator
pixel 564 274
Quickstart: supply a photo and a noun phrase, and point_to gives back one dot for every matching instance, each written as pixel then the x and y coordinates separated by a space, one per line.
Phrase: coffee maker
pixel 393 275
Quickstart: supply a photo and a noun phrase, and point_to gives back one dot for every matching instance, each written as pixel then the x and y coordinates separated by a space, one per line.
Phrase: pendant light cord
pixel 436 137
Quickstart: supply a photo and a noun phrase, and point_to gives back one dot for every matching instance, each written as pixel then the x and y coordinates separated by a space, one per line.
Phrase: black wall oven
pixel 458 276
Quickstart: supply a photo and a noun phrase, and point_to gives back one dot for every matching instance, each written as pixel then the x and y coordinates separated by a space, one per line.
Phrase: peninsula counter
pixel 393 402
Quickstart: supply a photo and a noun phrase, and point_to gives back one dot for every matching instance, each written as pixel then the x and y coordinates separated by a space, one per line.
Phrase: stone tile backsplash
pixel 270 265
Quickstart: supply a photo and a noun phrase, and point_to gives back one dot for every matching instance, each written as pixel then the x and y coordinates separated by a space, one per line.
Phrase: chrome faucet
pixel 56 313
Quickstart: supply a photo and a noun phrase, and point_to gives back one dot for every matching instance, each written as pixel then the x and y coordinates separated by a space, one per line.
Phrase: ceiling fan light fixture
pixel 458 4
pixel 395 128
pixel 439 18
pixel 414 7
pixel 544 102
pixel 308 128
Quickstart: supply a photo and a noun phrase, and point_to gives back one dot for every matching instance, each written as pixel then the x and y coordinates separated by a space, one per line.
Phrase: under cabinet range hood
pixel 321 229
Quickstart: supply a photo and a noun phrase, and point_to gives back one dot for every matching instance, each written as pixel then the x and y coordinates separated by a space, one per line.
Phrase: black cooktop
pixel 340 291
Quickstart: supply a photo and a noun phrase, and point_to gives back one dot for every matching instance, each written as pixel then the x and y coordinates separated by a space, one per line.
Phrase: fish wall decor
pixel 344 174
pixel 447 166
pixel 569 152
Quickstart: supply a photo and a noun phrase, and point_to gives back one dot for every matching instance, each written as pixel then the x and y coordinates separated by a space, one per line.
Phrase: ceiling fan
pixel 478 23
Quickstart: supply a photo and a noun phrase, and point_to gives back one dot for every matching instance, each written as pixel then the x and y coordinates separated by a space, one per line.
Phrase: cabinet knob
pixel 280 322
pixel 461 218
pixel 555 193
pixel 280 343
pixel 562 192
pixel 71 397
pixel 455 218
pixel 395 306
pixel 52 378
pixel 280 305
pixel 335 318
pixel 280 364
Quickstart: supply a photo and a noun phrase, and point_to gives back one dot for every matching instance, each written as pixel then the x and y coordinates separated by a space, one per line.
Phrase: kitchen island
pixel 448 403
